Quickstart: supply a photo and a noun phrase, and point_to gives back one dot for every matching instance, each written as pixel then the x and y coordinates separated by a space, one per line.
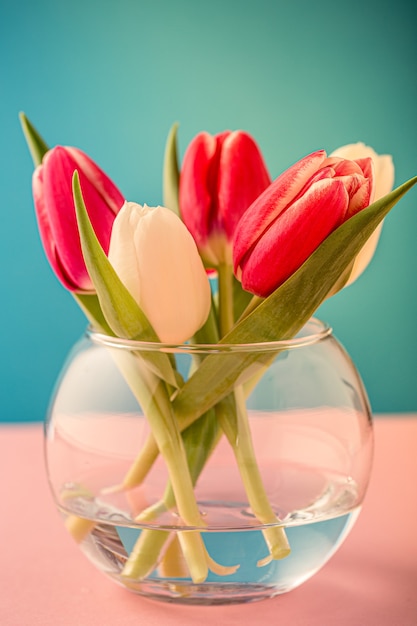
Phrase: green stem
pixel 274 534
pixel 235 425
pixel 225 277
pixel 233 420
pixel 145 554
pixel 172 564
pixel 152 394
pixel 139 469
pixel 149 453
pixel 206 430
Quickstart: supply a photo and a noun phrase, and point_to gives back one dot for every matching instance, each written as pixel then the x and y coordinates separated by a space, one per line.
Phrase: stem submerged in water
pixel 225 277
pixel 184 465
pixel 234 422
pixel 151 392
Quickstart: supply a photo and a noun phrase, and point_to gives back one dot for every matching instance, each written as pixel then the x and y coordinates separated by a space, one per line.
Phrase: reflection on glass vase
pixel 291 459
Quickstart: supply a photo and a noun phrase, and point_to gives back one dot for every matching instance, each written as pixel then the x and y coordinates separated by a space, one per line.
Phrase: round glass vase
pixel 277 440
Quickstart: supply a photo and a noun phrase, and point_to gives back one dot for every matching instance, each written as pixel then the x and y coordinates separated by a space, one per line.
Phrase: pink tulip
pixel 220 177
pixel 294 215
pixel 54 206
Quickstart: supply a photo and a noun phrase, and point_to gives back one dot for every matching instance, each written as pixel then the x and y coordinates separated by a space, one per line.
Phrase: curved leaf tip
pixel 171 173
pixel 37 146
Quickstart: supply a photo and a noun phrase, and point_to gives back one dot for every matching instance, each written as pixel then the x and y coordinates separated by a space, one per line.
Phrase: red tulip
pixel 54 205
pixel 220 177
pixel 292 217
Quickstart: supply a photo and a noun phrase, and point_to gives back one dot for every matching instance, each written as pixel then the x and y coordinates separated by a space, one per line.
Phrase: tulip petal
pixel 174 289
pixel 379 169
pixel 157 260
pixel 367 166
pixel 220 178
pixel 122 251
pixel 293 237
pixel 58 169
pixel 44 226
pixel 383 165
pixel 195 198
pixel 273 201
pixel 98 179
pixel 342 167
pixel 384 176
pixel 242 177
pixel 47 235
pixel 360 199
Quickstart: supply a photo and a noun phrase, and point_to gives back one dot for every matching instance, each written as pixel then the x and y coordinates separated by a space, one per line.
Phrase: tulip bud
pixel 221 176
pixel 55 211
pixel 294 215
pixel 384 182
pixel 383 165
pixel 157 260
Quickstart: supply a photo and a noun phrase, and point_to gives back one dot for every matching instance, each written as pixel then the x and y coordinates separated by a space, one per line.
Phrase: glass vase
pixel 284 452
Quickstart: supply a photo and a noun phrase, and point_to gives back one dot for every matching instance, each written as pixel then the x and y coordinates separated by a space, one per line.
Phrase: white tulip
pixel 157 260
pixel 383 184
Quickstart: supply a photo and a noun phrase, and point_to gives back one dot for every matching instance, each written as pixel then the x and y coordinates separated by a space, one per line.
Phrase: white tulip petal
pixel 384 182
pixel 384 174
pixel 156 258
pixel 365 255
pixel 122 252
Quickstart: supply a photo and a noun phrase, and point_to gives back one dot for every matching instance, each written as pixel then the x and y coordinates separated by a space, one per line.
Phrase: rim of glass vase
pixel 312 332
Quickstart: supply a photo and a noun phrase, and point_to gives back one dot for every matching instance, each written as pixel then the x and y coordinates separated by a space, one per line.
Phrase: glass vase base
pixel 205 594
pixel 312 543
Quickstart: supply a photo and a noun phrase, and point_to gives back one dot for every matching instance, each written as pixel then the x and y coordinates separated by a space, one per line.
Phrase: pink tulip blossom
pixel 294 215
pixel 221 176
pixel 54 206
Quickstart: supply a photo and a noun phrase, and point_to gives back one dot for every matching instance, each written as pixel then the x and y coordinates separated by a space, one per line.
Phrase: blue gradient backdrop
pixel 111 77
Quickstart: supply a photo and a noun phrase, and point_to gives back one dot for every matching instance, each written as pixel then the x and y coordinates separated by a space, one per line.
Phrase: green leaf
pixel 205 430
pixel 171 174
pixel 241 298
pixel 121 311
pixel 285 311
pixel 90 305
pixel 38 148
pixel 209 332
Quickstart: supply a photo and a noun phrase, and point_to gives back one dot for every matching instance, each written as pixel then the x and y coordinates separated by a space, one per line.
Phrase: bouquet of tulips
pixel 275 249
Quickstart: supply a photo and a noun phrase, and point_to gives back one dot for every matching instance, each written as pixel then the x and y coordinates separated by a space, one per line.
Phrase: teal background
pixel 112 77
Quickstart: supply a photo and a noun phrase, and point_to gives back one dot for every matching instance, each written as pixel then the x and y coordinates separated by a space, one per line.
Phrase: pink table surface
pixel 372 580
